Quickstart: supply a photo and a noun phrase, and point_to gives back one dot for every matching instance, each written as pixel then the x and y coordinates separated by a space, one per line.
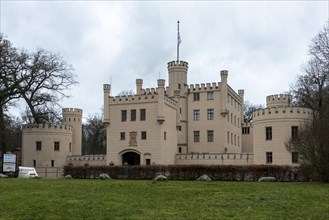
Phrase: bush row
pixel 190 172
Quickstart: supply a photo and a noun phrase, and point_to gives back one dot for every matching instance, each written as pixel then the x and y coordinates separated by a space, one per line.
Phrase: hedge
pixel 190 172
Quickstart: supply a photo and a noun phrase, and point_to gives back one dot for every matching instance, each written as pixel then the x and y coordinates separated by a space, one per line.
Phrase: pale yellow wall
pixel 229 102
pixel 161 151
pixel 281 120
pixel 247 139
pixel 47 135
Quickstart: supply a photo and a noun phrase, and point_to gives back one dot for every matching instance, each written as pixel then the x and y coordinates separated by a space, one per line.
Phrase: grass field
pixel 128 199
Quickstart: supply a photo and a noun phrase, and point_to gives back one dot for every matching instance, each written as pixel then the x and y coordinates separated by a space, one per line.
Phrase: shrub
pixel 191 172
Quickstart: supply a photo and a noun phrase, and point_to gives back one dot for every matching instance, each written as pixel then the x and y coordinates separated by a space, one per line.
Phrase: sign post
pixel 9 163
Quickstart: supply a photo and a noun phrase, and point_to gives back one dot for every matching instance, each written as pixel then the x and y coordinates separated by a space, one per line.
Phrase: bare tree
pixel 40 79
pixel 94 135
pixel 126 93
pixel 249 108
pixel 49 77
pixel 311 89
pixel 312 146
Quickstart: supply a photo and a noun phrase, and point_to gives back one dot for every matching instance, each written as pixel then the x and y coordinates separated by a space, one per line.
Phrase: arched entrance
pixel 131 158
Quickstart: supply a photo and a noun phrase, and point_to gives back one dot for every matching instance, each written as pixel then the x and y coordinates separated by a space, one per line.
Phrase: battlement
pixel 149 91
pixel 106 87
pixel 224 73
pixel 204 86
pixel 244 125
pixel 150 95
pixel 72 110
pixel 139 81
pixel 174 64
pixel 161 82
pixel 278 100
pixel 214 158
pixel 47 127
pixel 282 113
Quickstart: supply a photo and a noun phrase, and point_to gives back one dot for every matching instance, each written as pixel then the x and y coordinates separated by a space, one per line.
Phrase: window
pixel 228 137
pixel 294 132
pixel 268 133
pixel 52 163
pixel 231 138
pixel 70 147
pixel 148 161
pixel 228 118
pixel 269 157
pixel 238 141
pixel 196 115
pixel 179 86
pixel 122 136
pixel 210 115
pixel 210 95
pixel 235 139
pixel 196 96
pixel 228 98
pixel 246 130
pixel 38 145
pixel 294 157
pixel 34 163
pixel 123 115
pixel 142 114
pixel 165 135
pixel 56 146
pixel 143 135
pixel 133 115
pixel 180 150
pixel 232 118
pixel 196 136
pixel 210 136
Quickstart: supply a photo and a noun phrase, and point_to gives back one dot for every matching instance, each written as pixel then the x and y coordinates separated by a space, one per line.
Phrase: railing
pixel 50 172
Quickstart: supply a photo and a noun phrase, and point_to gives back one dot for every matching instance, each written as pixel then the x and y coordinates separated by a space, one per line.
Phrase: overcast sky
pixel 261 43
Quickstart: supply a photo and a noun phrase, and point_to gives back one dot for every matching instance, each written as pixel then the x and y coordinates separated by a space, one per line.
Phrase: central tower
pixel 177 71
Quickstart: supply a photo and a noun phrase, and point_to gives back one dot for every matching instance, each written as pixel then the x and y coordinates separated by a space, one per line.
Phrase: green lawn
pixel 128 199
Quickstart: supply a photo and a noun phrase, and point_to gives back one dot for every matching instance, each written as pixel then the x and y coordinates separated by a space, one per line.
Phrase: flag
pixel 179 41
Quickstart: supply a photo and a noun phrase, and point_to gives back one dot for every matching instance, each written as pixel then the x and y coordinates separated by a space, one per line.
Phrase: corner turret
pixel 278 100
pixel 73 118
pixel 107 90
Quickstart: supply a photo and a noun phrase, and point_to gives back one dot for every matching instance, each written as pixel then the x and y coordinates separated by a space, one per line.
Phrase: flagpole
pixel 178 39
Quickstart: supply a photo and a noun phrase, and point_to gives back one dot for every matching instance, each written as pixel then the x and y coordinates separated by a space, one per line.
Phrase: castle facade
pixel 175 124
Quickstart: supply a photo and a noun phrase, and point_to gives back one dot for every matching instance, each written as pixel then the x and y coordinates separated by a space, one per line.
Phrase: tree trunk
pixel 3 146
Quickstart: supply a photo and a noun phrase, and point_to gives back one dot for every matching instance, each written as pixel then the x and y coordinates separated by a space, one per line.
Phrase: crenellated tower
pixel 73 118
pixel 278 100
pixel 177 71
